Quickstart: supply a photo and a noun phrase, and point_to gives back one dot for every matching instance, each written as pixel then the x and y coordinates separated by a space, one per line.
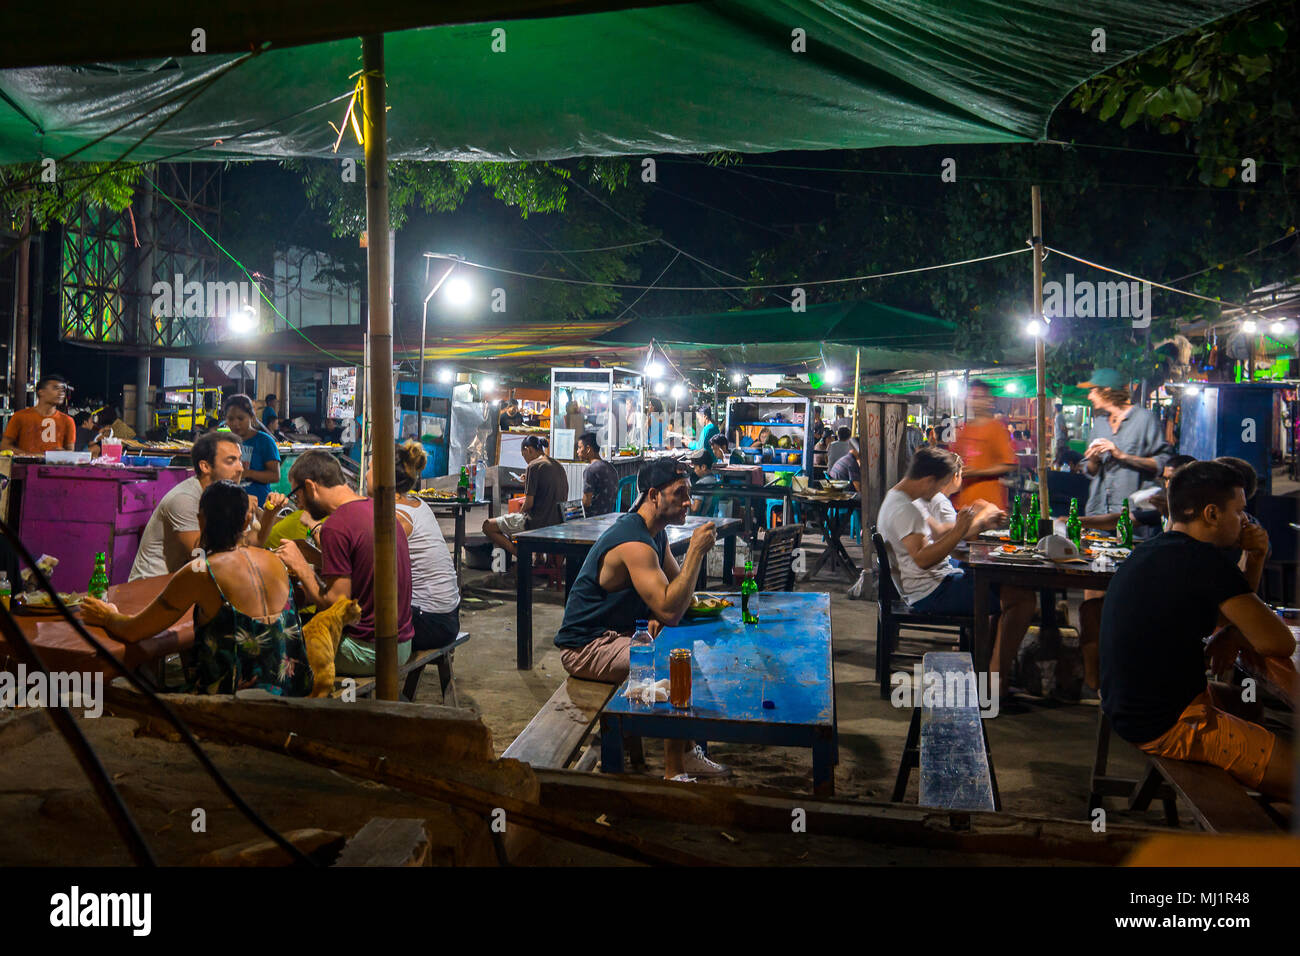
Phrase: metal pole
pixel 1040 361
pixel 144 310
pixel 857 374
pixel 382 453
pixel 424 325
pixel 19 362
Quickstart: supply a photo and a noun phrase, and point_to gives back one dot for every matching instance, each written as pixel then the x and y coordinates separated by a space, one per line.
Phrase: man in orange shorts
pixel 1161 604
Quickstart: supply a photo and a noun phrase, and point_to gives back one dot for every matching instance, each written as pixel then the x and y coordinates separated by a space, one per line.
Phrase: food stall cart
pixel 788 419
pixel 74 511
pixel 607 401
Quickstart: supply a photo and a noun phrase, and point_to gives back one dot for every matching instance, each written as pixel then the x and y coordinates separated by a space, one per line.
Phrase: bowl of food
pixel 835 484
pixel 707 605
pixel 38 602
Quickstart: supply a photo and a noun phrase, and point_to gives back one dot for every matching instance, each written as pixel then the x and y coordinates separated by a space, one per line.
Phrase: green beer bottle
pixel 1031 520
pixel 98 586
pixel 1124 527
pixel 1073 526
pixel 462 486
pixel 1017 522
pixel 749 596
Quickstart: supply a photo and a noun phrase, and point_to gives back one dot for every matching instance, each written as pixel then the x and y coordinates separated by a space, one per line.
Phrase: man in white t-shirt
pixel 172 534
pixel 922 573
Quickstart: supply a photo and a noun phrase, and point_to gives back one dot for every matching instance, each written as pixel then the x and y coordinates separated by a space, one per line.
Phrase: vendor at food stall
pixel 510 416
pixel 42 428
pixel 705 427
pixel 261 457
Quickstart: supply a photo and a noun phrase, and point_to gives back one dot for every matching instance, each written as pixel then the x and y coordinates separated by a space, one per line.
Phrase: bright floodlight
pixel 654 370
pixel 458 291
pixel 659 388
pixel 445 375
pixel 1013 388
pixel 487 385
pixel 243 319
pixel 1034 328
pixel 1192 390
pixel 679 390
pixel 737 378
pixel 954 387
pixel 1249 326
pixel 832 376
pixel 1278 327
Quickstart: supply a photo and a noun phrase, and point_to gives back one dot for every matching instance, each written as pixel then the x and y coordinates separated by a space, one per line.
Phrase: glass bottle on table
pixel 98 586
pixel 5 590
pixel 462 486
pixel 1124 527
pixel 1074 526
pixel 749 596
pixel 1017 530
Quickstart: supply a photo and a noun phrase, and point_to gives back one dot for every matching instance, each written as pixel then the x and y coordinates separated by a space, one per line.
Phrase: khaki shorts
pixel 606 659
pixel 511 524
pixel 1205 733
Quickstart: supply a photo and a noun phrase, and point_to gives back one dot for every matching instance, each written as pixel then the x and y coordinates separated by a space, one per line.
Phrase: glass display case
pixel 607 401
pixel 775 432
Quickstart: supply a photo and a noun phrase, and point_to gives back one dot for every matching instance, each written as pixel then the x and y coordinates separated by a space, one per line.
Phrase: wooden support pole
pixel 857 375
pixel 1040 360
pixel 380 322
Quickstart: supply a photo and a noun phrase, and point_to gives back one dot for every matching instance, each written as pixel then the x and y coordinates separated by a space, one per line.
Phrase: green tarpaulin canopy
pixel 890 338
pixel 750 76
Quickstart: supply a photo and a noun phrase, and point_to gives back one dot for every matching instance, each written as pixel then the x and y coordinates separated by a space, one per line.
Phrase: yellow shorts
pixel 1206 733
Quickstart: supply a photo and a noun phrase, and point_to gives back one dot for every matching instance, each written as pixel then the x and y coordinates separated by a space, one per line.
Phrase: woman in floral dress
pixel 246 630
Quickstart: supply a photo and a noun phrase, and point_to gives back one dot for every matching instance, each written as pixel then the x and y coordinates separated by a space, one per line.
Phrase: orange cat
pixel 322 635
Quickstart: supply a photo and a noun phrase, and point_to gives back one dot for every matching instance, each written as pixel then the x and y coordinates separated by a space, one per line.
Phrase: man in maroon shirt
pixel 347 545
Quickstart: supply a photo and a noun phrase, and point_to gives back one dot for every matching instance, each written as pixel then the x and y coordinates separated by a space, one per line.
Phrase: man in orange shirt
pixel 42 428
pixel 985 450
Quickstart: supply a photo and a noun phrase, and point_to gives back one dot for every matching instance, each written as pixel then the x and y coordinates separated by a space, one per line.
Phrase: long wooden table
pixel 1039 575
pixel 62 648
pixel 767 683
pixel 573 539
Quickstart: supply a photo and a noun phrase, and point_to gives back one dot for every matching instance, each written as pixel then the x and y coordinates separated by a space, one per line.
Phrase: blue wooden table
pixel 785 658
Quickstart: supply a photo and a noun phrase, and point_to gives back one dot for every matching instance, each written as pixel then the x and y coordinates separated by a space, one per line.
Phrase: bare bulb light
pixel 1249 326
pixel 737 378
pixel 1278 327
pixel 679 391
pixel 832 376
pixel 445 375
pixel 659 388
pixel 1192 390
pixel 1035 329
pixel 243 320
pixel 458 291
pixel 488 385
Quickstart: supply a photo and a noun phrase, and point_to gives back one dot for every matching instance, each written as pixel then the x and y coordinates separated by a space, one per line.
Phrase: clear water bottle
pixel 641 655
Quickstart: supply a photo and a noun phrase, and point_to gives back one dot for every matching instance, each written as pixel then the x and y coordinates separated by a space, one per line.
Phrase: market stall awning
pixel 752 76
pixel 782 340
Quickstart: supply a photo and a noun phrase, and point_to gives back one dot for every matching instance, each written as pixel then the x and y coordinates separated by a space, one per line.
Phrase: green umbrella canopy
pixel 752 76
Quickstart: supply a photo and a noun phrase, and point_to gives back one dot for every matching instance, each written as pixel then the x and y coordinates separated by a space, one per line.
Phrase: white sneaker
pixel 694 761
pixel 682 778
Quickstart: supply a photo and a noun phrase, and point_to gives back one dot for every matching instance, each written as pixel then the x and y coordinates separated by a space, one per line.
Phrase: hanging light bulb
pixel 1249 326
pixel 679 391
pixel 831 376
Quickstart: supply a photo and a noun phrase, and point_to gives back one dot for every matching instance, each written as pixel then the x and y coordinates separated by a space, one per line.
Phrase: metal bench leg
pixel 412 684
pixel 446 679
pixel 886 640
pixel 1099 760
pixel 911 757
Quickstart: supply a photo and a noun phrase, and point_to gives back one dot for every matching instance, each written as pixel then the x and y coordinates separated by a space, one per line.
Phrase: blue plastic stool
pixel 630 481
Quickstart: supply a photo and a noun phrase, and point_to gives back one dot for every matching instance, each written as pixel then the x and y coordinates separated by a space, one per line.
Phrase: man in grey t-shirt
pixel 172 534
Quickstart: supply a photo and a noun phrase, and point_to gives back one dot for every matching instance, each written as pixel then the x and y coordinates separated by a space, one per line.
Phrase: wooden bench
pixel 1218 803
pixel 554 736
pixel 440 658
pixel 948 743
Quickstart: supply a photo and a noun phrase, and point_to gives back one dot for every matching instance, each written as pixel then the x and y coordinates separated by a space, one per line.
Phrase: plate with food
pixel 38 602
pixel 708 605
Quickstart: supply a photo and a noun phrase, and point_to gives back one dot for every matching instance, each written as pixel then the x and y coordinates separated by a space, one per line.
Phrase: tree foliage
pixel 1226 92
pixel 52 203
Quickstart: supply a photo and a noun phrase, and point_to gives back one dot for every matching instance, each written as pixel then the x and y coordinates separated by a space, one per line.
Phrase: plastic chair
pixel 628 481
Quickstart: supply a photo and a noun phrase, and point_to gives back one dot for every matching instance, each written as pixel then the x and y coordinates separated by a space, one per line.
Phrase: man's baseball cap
pixel 1104 378
pixel 657 473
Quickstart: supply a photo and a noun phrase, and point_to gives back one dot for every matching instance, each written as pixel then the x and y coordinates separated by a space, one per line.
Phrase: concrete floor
pixel 1042 756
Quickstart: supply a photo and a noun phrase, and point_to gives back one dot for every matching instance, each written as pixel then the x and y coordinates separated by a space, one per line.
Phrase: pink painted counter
pixel 74 511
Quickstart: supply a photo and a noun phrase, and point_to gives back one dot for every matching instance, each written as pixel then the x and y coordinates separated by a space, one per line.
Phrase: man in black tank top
pixel 630 574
